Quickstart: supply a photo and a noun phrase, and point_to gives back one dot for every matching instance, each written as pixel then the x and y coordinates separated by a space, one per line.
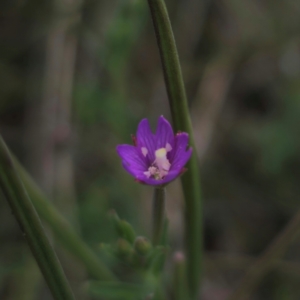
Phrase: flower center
pixel 161 165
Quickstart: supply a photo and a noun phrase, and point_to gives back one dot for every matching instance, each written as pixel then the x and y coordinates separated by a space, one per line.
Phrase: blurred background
pixel 76 77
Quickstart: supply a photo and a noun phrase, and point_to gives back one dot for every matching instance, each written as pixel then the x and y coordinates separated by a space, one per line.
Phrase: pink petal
pixel 145 138
pixel 164 133
pixel 131 159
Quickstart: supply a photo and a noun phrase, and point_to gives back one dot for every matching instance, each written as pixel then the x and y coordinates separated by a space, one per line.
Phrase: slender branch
pixel 267 260
pixel 62 229
pixel 179 277
pixel 181 119
pixel 31 227
pixel 159 197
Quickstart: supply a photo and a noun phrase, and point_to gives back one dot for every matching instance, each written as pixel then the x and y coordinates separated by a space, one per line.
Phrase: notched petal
pixel 131 158
pixel 181 159
pixel 145 138
pixel 180 146
pixel 164 133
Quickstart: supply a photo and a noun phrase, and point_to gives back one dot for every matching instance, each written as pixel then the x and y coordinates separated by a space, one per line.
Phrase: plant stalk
pixel 31 227
pixel 63 230
pixel 158 212
pixel 182 122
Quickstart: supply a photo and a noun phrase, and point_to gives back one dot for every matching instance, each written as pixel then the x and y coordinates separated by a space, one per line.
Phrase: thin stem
pixel 267 260
pixel 31 227
pixel 179 277
pixel 158 212
pixel 181 119
pixel 62 229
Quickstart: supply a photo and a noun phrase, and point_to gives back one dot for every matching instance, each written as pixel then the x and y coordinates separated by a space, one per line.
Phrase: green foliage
pixel 250 162
pixel 122 35
pixel 278 139
pixel 117 291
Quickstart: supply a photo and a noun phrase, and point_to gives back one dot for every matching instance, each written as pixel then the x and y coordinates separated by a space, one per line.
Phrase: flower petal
pixel 164 133
pixel 181 160
pixel 131 170
pixel 172 175
pixel 145 138
pixel 131 159
pixel 180 155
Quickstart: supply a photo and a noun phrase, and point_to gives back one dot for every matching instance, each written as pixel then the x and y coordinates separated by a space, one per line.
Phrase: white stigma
pixel 161 159
pixel 161 165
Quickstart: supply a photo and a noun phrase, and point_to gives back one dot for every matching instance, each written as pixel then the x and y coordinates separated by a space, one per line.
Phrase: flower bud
pixel 123 248
pixel 122 227
pixel 142 245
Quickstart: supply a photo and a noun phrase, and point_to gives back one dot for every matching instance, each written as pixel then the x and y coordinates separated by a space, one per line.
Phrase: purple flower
pixel 156 159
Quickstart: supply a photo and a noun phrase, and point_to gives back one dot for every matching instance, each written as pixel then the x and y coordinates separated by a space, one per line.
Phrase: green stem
pixel 62 229
pixel 181 119
pixel 31 227
pixel 158 212
pixel 179 277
